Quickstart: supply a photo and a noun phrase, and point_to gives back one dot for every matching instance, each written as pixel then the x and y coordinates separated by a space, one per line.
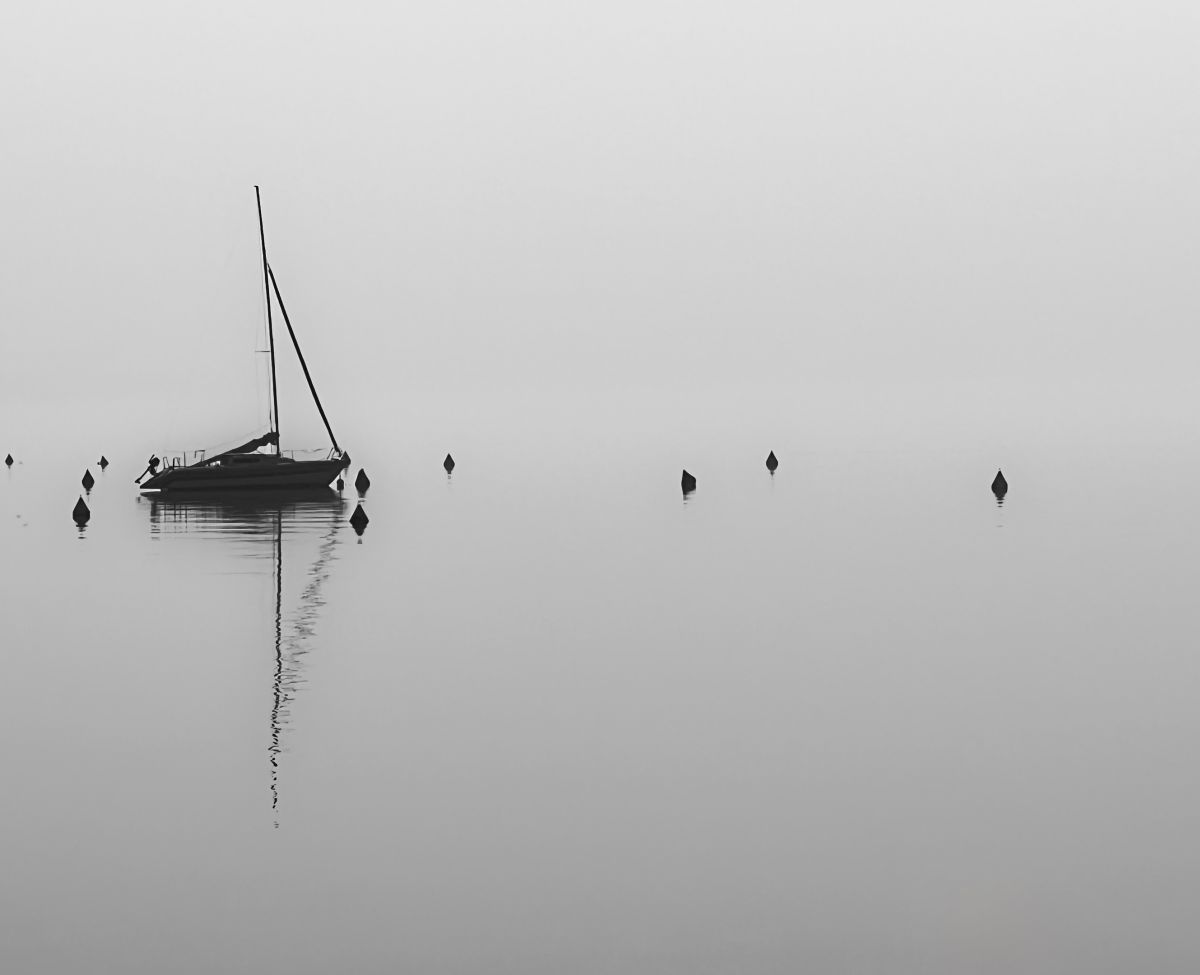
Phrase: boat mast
pixel 303 365
pixel 262 237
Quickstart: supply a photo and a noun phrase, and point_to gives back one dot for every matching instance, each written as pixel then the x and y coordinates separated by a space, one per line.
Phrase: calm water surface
pixel 548 717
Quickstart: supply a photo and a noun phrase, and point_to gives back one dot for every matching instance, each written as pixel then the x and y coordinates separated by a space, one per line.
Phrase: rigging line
pixel 303 365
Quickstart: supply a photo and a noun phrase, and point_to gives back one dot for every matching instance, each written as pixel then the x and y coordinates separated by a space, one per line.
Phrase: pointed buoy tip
pixel 688 482
pixel 88 481
pixel 81 512
pixel 8 461
pixel 359 520
pixel 362 482
pixel 772 462
pixel 448 463
pixel 999 484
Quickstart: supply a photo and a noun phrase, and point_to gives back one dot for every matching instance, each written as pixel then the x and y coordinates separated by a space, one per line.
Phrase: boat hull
pixel 282 475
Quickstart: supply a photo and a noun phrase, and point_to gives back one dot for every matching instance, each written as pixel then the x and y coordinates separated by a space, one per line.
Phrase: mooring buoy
pixel 8 461
pixel 362 482
pixel 999 485
pixel 358 520
pixel 772 462
pixel 82 513
pixel 103 462
pixel 448 463
pixel 688 483
pixel 340 484
pixel 345 462
pixel 88 481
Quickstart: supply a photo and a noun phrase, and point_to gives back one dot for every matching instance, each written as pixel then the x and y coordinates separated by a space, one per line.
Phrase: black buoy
pixel 340 484
pixel 772 462
pixel 688 483
pixel 82 513
pixel 88 481
pixel 358 520
pixel 8 461
pixel 999 485
pixel 362 482
pixel 103 462
pixel 345 462
pixel 448 463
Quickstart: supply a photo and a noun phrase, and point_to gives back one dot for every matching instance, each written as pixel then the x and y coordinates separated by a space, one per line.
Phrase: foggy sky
pixel 924 218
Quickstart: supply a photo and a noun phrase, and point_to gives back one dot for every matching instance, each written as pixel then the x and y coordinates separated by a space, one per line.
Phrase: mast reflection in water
pixel 259 522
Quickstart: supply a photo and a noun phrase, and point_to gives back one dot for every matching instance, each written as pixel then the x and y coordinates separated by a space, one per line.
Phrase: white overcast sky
pixel 850 211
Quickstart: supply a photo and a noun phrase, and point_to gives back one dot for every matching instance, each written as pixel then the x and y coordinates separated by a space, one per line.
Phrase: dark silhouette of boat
pixel 257 464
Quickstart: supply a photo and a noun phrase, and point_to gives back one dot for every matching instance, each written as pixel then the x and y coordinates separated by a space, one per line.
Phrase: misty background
pixel 547 715
pixel 923 223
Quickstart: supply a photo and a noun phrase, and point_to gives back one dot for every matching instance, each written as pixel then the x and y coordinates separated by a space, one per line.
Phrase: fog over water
pixel 547 714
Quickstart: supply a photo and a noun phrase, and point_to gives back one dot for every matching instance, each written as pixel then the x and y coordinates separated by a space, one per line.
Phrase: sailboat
pixel 257 464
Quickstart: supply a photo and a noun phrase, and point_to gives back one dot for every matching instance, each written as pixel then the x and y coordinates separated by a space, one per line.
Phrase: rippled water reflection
pixel 255 525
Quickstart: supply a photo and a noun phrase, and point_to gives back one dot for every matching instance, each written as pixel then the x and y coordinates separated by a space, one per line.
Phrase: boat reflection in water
pixel 259 523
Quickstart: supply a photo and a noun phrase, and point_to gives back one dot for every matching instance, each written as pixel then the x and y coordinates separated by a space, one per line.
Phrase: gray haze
pixel 928 221
pixel 548 716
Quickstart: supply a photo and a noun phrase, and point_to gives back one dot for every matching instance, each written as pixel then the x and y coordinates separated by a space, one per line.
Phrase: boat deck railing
pixel 186 458
pixel 181 458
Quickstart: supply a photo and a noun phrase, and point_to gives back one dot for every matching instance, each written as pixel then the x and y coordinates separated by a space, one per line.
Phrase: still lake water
pixel 548 717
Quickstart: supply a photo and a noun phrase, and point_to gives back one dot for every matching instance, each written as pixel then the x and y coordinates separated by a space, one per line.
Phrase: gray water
pixel 548 716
